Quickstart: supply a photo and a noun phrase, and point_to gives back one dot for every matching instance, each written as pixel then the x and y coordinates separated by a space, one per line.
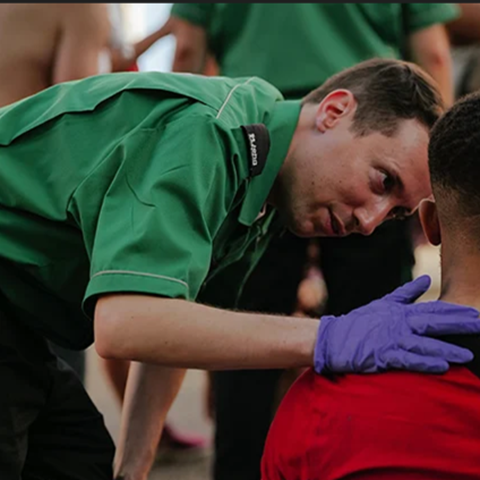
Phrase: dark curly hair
pixel 387 91
pixel 454 156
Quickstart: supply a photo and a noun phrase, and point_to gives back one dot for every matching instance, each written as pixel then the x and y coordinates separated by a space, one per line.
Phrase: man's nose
pixel 368 219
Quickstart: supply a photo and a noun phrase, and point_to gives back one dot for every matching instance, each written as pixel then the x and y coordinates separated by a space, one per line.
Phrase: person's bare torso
pixel 30 35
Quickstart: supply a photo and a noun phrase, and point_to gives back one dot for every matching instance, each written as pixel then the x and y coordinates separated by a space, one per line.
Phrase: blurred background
pixel 140 19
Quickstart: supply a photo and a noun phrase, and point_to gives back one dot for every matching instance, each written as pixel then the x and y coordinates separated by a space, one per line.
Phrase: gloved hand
pixel 392 332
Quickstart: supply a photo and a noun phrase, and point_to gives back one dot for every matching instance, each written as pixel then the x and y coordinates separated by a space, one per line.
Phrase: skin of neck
pixel 460 264
pixel 305 124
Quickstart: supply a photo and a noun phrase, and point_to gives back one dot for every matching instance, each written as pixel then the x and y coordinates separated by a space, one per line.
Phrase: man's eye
pixel 387 181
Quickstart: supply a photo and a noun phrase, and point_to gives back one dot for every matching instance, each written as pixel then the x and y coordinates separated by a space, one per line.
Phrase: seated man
pixel 402 425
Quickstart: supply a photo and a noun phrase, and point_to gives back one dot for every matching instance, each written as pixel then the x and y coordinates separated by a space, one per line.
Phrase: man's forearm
pixel 145 43
pixel 122 60
pixel 430 49
pixel 441 72
pixel 191 46
pixel 184 334
pixel 150 392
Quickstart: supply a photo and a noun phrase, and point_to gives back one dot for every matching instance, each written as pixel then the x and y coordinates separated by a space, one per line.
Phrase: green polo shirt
pixel 132 182
pixel 297 46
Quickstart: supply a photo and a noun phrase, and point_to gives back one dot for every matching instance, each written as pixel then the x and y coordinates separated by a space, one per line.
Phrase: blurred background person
pixel 124 54
pixel 295 47
pixel 45 44
pixel 56 43
pixel 464 35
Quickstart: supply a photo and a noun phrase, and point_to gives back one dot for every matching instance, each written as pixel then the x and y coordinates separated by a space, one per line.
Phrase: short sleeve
pixel 422 15
pixel 154 230
pixel 196 13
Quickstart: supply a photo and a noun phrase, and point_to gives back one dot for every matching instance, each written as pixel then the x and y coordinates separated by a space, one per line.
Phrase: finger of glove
pixel 414 362
pixel 440 307
pixel 432 347
pixel 409 292
pixel 443 324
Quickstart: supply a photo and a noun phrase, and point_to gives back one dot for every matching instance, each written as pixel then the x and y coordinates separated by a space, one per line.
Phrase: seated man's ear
pixel 429 220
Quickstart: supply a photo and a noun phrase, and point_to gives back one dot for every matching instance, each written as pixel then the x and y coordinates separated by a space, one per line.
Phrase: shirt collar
pixel 281 126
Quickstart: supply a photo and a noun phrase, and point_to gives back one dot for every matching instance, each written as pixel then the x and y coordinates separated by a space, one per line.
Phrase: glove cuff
pixel 321 344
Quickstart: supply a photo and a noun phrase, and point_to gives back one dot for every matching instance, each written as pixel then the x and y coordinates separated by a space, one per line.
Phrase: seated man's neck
pixel 460 276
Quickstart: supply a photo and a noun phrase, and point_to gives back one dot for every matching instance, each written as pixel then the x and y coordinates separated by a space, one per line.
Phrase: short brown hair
pixel 386 91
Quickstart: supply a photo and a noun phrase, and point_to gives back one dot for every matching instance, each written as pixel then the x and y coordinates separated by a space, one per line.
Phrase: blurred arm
pixel 83 38
pixel 121 62
pixel 143 45
pixel 430 49
pixel 150 393
pixel 191 47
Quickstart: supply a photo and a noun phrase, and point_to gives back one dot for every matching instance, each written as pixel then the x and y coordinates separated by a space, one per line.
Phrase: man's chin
pixel 303 231
pixel 312 231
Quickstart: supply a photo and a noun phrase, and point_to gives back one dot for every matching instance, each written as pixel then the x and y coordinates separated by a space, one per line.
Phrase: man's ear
pixel 335 106
pixel 429 220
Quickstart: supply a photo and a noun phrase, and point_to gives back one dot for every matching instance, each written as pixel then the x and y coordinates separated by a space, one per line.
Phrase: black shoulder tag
pixel 258 146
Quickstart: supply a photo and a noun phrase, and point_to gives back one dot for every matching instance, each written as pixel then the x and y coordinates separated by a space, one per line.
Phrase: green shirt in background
pixel 132 182
pixel 297 46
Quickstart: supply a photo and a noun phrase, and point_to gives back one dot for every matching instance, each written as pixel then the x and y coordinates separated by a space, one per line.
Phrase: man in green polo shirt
pixel 296 46
pixel 127 199
pixel 315 40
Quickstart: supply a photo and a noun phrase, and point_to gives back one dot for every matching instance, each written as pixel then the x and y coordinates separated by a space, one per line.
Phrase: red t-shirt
pixel 390 426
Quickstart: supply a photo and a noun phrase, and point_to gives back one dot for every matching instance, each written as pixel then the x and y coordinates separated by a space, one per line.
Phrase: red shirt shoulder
pixel 388 426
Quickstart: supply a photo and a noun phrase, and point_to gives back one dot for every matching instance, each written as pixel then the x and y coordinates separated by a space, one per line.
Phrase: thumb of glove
pixel 409 292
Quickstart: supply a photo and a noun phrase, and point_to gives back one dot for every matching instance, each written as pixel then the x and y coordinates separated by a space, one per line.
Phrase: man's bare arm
pixel 191 47
pixel 149 395
pixel 177 333
pixel 121 62
pixel 83 38
pixel 430 48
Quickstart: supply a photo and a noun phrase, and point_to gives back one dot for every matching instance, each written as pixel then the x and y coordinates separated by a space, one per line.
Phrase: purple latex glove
pixel 392 332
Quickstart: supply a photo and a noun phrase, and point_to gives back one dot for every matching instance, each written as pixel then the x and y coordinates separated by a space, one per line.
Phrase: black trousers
pixel 357 270
pixel 73 358
pixel 49 427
